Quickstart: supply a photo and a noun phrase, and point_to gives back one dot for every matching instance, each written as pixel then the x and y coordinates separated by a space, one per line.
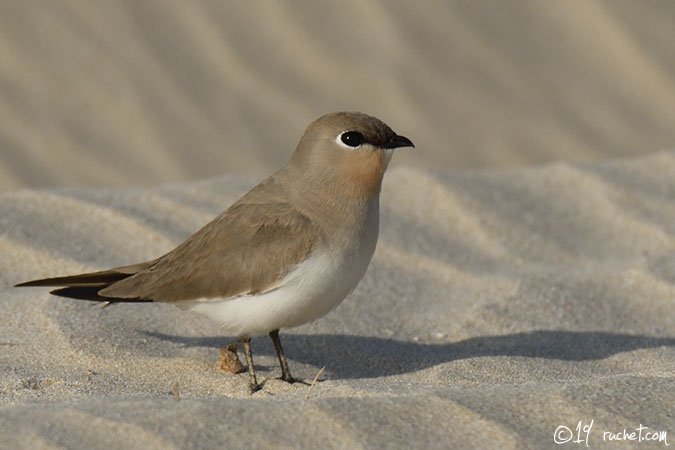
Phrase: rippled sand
pixel 500 304
pixel 145 92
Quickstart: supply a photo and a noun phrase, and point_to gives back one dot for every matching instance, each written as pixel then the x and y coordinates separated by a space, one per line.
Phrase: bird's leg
pixel 285 372
pixel 252 382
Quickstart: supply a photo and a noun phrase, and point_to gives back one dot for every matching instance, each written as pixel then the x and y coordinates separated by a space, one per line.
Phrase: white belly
pixel 307 293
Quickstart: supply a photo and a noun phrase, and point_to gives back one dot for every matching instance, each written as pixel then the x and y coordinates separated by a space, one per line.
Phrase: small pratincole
pixel 286 253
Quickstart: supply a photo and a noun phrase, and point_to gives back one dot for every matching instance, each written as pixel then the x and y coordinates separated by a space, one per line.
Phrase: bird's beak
pixel 399 141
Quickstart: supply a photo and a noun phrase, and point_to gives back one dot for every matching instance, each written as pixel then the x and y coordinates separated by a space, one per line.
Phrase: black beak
pixel 399 141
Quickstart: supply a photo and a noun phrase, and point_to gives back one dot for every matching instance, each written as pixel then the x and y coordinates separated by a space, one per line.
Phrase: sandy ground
pixel 506 304
pixel 117 93
pixel 506 299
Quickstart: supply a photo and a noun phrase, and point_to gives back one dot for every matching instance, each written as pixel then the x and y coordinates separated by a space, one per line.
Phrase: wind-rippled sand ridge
pixel 146 92
pixel 499 305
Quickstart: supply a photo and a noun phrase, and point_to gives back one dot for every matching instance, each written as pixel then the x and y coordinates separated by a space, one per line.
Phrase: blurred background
pixel 140 92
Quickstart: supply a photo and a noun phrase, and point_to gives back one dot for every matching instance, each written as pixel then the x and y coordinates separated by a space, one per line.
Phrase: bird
pixel 286 253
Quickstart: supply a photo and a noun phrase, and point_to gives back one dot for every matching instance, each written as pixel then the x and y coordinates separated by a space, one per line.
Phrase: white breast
pixel 308 292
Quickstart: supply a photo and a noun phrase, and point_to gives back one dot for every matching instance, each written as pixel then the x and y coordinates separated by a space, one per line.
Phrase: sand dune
pixel 508 303
pixel 128 92
pixel 502 302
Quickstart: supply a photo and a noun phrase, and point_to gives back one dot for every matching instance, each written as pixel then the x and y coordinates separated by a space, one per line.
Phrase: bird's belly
pixel 307 293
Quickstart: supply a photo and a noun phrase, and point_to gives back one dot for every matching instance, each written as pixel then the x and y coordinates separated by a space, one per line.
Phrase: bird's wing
pixel 245 250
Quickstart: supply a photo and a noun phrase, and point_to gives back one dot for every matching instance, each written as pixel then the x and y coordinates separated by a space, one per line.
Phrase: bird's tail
pixel 86 286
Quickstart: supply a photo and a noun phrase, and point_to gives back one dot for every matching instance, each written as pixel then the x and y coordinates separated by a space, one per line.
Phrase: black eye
pixel 352 138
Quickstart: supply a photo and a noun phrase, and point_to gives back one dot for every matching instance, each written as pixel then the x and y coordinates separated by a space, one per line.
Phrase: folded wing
pixel 245 250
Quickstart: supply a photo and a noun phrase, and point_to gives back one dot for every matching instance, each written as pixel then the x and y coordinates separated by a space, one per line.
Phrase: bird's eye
pixel 351 138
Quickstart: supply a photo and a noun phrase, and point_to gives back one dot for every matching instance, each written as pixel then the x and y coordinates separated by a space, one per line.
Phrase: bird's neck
pixel 340 203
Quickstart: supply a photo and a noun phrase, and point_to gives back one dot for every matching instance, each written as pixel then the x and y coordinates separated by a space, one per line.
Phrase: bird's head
pixel 348 147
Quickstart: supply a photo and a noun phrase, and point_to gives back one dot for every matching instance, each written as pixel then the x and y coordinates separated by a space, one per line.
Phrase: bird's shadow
pixel 348 356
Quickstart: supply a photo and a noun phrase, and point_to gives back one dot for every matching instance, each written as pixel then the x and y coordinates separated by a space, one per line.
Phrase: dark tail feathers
pixel 86 286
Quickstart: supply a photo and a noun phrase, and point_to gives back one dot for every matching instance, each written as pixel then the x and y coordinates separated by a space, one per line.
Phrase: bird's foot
pixel 288 378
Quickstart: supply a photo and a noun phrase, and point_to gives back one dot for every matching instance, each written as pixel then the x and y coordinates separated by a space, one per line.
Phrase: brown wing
pixel 245 250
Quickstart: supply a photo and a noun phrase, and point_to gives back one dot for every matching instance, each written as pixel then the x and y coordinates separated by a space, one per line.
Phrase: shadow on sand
pixel 350 356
